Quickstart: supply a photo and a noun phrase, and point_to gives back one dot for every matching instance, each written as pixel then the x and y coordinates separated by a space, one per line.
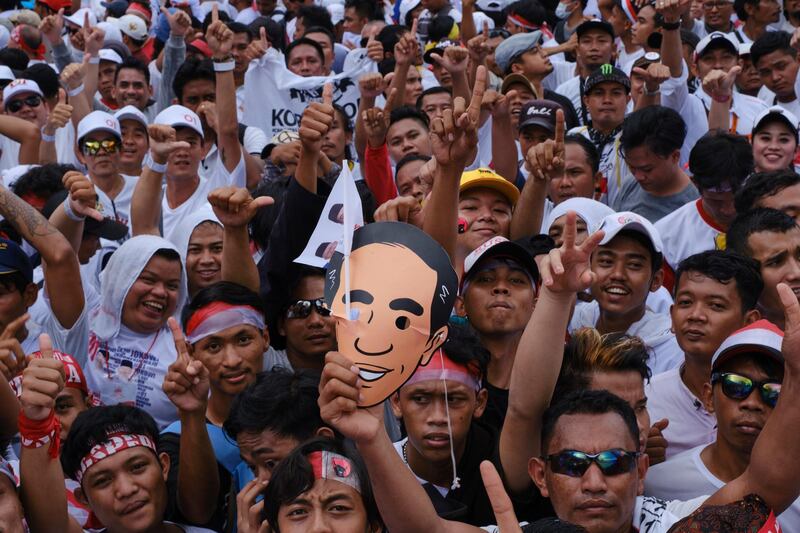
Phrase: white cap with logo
pixel 131 25
pixel 130 112
pixel 627 220
pixel 98 121
pixel 20 86
pixel 179 116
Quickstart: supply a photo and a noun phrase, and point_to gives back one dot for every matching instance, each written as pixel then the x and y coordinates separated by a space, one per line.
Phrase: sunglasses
pixel 499 32
pixel 302 308
pixel 93 147
pixel 739 387
pixel 575 464
pixel 31 101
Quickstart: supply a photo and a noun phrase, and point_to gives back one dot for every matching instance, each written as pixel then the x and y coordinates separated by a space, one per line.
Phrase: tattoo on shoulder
pixel 24 218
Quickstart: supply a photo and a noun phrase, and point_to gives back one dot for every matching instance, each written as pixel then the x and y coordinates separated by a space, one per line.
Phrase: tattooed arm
pixel 59 261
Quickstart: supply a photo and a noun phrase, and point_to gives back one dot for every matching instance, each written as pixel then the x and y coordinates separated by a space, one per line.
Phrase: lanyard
pixel 584 113
pixel 141 358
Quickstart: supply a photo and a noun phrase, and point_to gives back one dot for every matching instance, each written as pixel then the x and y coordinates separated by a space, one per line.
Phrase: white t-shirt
pixel 171 218
pixel 119 208
pixel 769 97
pixel 572 90
pixel 625 59
pixel 563 71
pixel 690 424
pixel 398 447
pixel 744 110
pixel 685 476
pixel 65 151
pixel 688 231
pixel 675 95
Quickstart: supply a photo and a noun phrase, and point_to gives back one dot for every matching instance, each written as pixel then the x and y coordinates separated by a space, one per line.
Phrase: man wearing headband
pixel 225 340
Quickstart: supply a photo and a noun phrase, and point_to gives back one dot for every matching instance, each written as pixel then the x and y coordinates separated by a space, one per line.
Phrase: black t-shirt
pixel 496 407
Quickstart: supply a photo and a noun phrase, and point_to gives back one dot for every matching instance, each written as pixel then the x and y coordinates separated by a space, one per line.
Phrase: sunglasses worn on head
pixel 31 101
pixel 93 147
pixel 302 308
pixel 575 464
pixel 739 387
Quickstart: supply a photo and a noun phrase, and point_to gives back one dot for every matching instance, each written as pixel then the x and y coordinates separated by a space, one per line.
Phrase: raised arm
pixel 405 51
pixel 314 125
pixel 61 268
pixel 26 134
pixel 94 38
pixel 654 76
pixel 468 30
pixel 235 208
pixel 370 86
pixel 719 86
pixel 73 78
pixel 504 147
pixel 671 47
pixel 68 218
pixel 174 54
pixel 455 61
pixel 776 481
pixel 564 272
pixel 57 118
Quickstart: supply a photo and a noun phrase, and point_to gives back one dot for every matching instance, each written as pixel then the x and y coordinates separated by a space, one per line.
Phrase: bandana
pixel 72 370
pixel 330 465
pixel 629 9
pixel 442 367
pixel 218 316
pixel 528 25
pixel 16 36
pixel 117 442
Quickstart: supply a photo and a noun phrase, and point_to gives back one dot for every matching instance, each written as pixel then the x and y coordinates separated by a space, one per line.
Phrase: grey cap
pixel 515 46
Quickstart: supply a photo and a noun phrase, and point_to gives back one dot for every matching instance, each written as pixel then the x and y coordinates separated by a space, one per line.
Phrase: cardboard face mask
pixel 402 289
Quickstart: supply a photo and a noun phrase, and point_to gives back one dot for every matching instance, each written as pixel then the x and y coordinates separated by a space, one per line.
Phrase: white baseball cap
pixel 130 112
pixel 406 6
pixel 113 35
pixel 98 121
pixel 336 12
pixel 744 49
pixel 717 37
pixel 131 25
pixel 178 116
pixel 627 220
pixel 107 54
pixel 761 336
pixel 6 74
pixel 77 17
pixel 18 86
pixel 776 111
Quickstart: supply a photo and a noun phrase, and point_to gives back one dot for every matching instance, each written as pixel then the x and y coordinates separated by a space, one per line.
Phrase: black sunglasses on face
pixel 738 387
pixel 574 463
pixel 31 101
pixel 302 308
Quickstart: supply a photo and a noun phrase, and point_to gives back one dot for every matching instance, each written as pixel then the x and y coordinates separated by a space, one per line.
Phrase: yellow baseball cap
pixel 489 179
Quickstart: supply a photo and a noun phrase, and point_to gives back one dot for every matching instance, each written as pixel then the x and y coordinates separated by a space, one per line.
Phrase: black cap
pixel 107 229
pixel 116 8
pixel 607 73
pixel 540 113
pixel 14 259
pixel 594 24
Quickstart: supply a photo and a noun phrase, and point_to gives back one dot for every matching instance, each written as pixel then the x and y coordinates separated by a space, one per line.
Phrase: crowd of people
pixel 609 187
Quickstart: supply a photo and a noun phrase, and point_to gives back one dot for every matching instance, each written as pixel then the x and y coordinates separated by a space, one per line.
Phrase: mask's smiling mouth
pixel 369 373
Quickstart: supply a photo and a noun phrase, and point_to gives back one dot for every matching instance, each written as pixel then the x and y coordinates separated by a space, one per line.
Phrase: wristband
pixel 94 60
pixel 721 98
pixel 70 213
pixel 225 66
pixel 76 91
pixel 648 92
pixel 47 138
pixel 158 168
pixel 40 433
pixel 671 26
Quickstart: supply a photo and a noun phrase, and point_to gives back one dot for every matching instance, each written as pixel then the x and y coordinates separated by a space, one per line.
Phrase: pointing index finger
pixel 180 341
pixel 474 110
pixel 559 131
pixel 327 94
pixel 14 326
pixel 214 13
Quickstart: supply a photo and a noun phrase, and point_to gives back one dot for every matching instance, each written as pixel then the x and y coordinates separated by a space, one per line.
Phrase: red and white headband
pixel 116 443
pixel 335 467
pixel 218 316
pixel 442 367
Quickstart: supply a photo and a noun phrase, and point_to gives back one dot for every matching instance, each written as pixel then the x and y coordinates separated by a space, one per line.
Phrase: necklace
pixel 405 454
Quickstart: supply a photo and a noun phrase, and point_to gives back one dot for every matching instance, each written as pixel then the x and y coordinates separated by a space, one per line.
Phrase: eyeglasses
pixel 31 101
pixel 575 464
pixel 739 387
pixel 93 147
pixel 302 308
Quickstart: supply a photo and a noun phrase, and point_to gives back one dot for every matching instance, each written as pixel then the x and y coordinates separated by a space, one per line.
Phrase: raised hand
pixel 207 111
pixel 407 48
pixel 654 75
pixel 546 160
pixel 73 74
pixel 248 510
pixel 374 49
pixel 401 209
pixel 455 59
pixel 42 380
pixel 719 84
pixel 339 394
pixel 52 27
pixel 179 22
pixel 257 47
pixel 286 154
pixel 567 269
pixel 186 383
pixel 376 121
pixel 163 141
pixel 498 498
pixel 316 121
pixel 791 336
pixel 219 36
pixel 82 195
pixel 454 136
pixel 672 10
pixel 371 85
pixel 12 358
pixel 478 46
pixel 59 116
pixel 235 207
pixel 93 37
pixel 656 448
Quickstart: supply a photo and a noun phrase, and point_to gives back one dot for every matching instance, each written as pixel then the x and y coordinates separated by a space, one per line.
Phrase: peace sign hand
pixel 187 381
pixel 567 269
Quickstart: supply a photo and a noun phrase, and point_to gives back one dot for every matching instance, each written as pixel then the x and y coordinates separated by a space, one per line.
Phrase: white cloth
pixel 769 97
pixel 685 476
pixel 182 234
pixel 563 71
pixel 625 59
pixel 688 231
pixel 654 329
pixel 744 110
pixel 590 211
pixel 65 149
pixel 572 89
pixel 675 95
pixel 690 424
pixel 119 208
pixel 398 447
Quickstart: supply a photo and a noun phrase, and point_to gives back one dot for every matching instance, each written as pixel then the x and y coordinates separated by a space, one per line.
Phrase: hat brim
pixel 590 25
pixel 101 128
pixel 740 349
pixel 107 229
pixel 775 117
pixel 503 186
pixel 511 250
pixel 630 226
pixel 718 43
pixel 537 122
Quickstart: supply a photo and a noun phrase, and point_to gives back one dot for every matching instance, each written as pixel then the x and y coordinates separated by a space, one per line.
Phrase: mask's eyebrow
pixel 359 296
pixel 406 304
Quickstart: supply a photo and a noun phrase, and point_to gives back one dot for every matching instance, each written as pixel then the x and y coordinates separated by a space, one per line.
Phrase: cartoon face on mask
pixel 402 288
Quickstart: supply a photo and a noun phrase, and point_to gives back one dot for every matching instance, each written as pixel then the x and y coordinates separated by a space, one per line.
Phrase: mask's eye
pixel 402 322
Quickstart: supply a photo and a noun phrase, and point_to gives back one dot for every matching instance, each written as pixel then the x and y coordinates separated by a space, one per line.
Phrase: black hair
pixel 756 221
pixel 261 224
pixel 725 266
pixel 721 157
pixel 325 31
pixel 222 15
pixel 193 69
pixel 738 7
pixel 386 65
pixel 301 41
pixel 314 15
pixel 440 27
pixel 14 58
pixel 92 427
pixel 531 10
pixel 390 36
pixel 588 402
pixel 294 475
pixel 133 64
pixel 43 181
pixel 410 158
pixel 406 111
pixel 365 9
pixel 45 77
pixel 276 33
pixel 347 124
pixel 168 253
pixel 589 150
pixel 238 27
pixel 281 298
pixel 225 292
pixel 433 90
pixel 761 185
pixel 464 348
pixel 279 400
pixel 656 258
pixel 772 41
pixel 659 128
